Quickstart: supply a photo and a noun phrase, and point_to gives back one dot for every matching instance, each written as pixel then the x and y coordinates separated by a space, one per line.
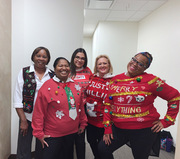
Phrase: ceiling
pixel 96 11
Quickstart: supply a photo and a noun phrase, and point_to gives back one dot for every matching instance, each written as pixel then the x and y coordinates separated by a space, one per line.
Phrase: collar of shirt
pixel 55 78
pixel 79 69
pixel 32 69
pixel 107 75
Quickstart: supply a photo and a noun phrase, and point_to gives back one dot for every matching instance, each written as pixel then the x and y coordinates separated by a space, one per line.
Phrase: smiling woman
pixel 62 68
pixel 139 64
pixel 29 81
pixel 59 113
pixel 96 93
pixel 80 73
pixel 130 115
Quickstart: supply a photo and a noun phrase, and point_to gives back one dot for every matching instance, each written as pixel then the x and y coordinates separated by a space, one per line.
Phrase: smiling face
pixel 102 66
pixel 137 65
pixel 40 59
pixel 62 70
pixel 79 60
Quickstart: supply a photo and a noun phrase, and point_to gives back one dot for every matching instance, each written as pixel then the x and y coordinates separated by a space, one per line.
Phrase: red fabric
pixel 51 100
pixel 82 78
pixel 96 93
pixel 136 99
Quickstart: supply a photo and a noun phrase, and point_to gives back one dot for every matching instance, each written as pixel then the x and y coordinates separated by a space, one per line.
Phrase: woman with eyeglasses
pixel 96 92
pixel 130 115
pixel 80 73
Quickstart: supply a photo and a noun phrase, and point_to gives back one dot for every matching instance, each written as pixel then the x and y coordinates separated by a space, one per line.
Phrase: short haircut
pixel 103 56
pixel 58 59
pixel 148 56
pixel 39 49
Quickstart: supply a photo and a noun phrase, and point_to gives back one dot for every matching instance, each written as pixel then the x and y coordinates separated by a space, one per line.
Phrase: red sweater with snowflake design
pixel 82 78
pixel 130 102
pixel 51 111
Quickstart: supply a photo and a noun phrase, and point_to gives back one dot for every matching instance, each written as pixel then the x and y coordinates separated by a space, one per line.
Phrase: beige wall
pixel 5 78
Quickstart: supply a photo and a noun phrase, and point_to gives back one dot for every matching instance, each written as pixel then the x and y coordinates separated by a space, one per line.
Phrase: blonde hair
pixel 103 56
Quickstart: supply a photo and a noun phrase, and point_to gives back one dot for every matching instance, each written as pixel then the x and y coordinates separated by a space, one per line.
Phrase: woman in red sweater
pixel 130 107
pixel 80 73
pixel 96 93
pixel 59 113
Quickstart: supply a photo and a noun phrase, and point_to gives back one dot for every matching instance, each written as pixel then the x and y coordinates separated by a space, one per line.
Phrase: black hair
pixel 72 66
pixel 39 49
pixel 57 60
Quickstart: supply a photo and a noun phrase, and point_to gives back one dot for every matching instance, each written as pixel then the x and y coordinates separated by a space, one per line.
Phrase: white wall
pixel 118 40
pixel 160 35
pixel 57 25
pixel 87 45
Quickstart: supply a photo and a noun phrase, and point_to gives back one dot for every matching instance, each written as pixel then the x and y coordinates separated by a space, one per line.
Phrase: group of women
pixel 114 110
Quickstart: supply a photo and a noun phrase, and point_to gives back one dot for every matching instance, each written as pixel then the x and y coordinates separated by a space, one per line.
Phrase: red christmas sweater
pixel 96 93
pixel 129 103
pixel 82 77
pixel 51 111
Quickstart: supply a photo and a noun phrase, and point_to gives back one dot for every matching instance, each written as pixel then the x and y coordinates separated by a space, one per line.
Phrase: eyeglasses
pixel 139 63
pixel 80 58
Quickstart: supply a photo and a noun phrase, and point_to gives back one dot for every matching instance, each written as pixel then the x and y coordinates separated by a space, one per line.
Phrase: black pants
pixel 94 136
pixel 80 145
pixel 24 143
pixel 141 142
pixel 38 150
pixel 59 147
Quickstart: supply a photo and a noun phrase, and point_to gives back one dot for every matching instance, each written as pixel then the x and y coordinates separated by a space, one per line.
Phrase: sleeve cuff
pixel 17 105
pixel 166 123
pixel 108 130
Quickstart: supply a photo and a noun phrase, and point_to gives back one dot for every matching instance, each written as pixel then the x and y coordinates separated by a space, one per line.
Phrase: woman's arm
pixel 172 96
pixel 83 117
pixel 23 121
pixel 18 105
pixel 39 114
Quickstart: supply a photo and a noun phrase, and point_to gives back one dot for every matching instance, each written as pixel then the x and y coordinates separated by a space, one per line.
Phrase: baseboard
pixel 13 156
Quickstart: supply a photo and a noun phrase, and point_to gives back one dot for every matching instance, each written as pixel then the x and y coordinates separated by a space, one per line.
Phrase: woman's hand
pixel 80 130
pixel 158 126
pixel 24 127
pixel 43 141
pixel 107 138
pixel 23 121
